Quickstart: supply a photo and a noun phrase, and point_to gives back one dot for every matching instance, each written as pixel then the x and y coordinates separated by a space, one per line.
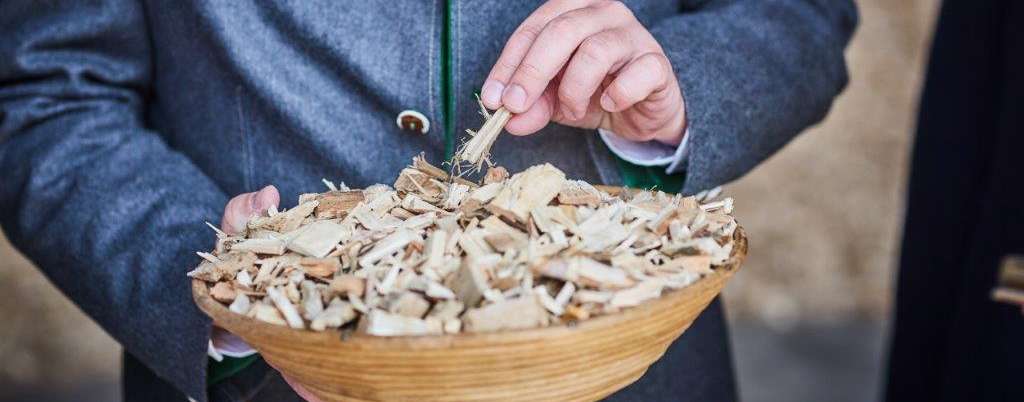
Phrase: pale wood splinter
pixel 477 149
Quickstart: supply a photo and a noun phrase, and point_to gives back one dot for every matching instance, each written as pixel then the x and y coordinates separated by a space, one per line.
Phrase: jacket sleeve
pixel 754 74
pixel 104 206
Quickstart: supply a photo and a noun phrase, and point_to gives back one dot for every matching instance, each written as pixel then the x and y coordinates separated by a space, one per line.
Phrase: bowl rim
pixel 245 327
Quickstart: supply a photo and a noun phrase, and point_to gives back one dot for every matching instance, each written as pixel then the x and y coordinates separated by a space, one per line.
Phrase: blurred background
pixel 809 312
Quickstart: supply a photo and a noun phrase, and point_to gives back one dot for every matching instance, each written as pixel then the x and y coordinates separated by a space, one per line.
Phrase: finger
pixel 646 76
pixel 535 118
pixel 597 57
pixel 517 46
pixel 553 48
pixel 245 206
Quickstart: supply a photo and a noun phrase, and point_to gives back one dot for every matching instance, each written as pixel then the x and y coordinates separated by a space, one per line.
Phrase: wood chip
pixel 419 162
pixel 586 271
pixel 416 204
pixel 338 313
pixel 591 296
pixel 481 196
pixel 240 305
pixel 320 267
pixel 476 150
pixel 348 285
pixel 409 304
pixel 495 226
pixel 699 264
pixel 495 174
pixel 285 221
pixel 452 326
pixel 576 313
pixel 260 246
pixel 434 249
pixel 470 282
pixel 287 309
pixel 387 246
pixel 474 243
pixel 267 314
pixel 318 239
pixel 547 301
pixel 579 192
pixel 532 188
pixel 223 292
pixel 225 267
pixel 312 302
pixel 456 194
pixel 381 323
pixel 447 309
pixel 640 293
pixel 524 312
pixel 337 204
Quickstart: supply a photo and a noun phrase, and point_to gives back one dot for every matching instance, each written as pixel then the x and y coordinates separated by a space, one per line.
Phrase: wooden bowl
pixel 583 362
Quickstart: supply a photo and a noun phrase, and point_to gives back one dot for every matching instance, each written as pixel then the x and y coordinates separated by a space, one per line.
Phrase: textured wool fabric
pixel 124 125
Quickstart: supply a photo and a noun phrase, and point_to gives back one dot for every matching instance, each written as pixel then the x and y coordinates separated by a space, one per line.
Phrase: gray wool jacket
pixel 125 124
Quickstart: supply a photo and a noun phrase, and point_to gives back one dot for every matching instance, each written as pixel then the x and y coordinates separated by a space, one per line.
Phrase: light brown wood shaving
pixel 435 254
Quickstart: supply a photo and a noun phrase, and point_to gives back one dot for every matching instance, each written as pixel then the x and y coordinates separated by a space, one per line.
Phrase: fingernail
pixel 491 92
pixel 514 98
pixel 607 103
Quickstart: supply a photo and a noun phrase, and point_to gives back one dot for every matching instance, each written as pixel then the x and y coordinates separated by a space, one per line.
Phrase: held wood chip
pixel 437 254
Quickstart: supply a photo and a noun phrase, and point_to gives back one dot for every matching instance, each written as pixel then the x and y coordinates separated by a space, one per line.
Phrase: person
pixel 950 341
pixel 127 124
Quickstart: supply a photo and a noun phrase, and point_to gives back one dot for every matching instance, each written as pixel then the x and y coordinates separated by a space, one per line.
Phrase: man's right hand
pixel 236 215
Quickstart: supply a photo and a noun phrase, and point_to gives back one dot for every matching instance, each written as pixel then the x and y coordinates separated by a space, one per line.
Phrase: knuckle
pixel 594 49
pixel 523 37
pixel 659 60
pixel 565 26
pixel 530 71
pixel 618 7
pixel 526 35
pixel 658 64
pixel 573 84
pixel 506 65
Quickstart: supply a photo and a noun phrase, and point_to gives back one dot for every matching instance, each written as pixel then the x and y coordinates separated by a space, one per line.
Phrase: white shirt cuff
pixel 647 153
pixel 224 343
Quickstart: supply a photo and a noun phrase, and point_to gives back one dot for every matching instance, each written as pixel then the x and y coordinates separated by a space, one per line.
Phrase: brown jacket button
pixel 413 121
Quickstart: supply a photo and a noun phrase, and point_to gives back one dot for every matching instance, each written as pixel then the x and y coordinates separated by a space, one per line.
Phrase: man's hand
pixel 589 64
pixel 236 214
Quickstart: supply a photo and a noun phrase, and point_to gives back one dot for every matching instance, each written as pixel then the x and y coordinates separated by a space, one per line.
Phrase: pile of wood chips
pixel 437 255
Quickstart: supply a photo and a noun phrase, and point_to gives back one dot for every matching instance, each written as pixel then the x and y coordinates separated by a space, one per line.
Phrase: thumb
pixel 245 206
